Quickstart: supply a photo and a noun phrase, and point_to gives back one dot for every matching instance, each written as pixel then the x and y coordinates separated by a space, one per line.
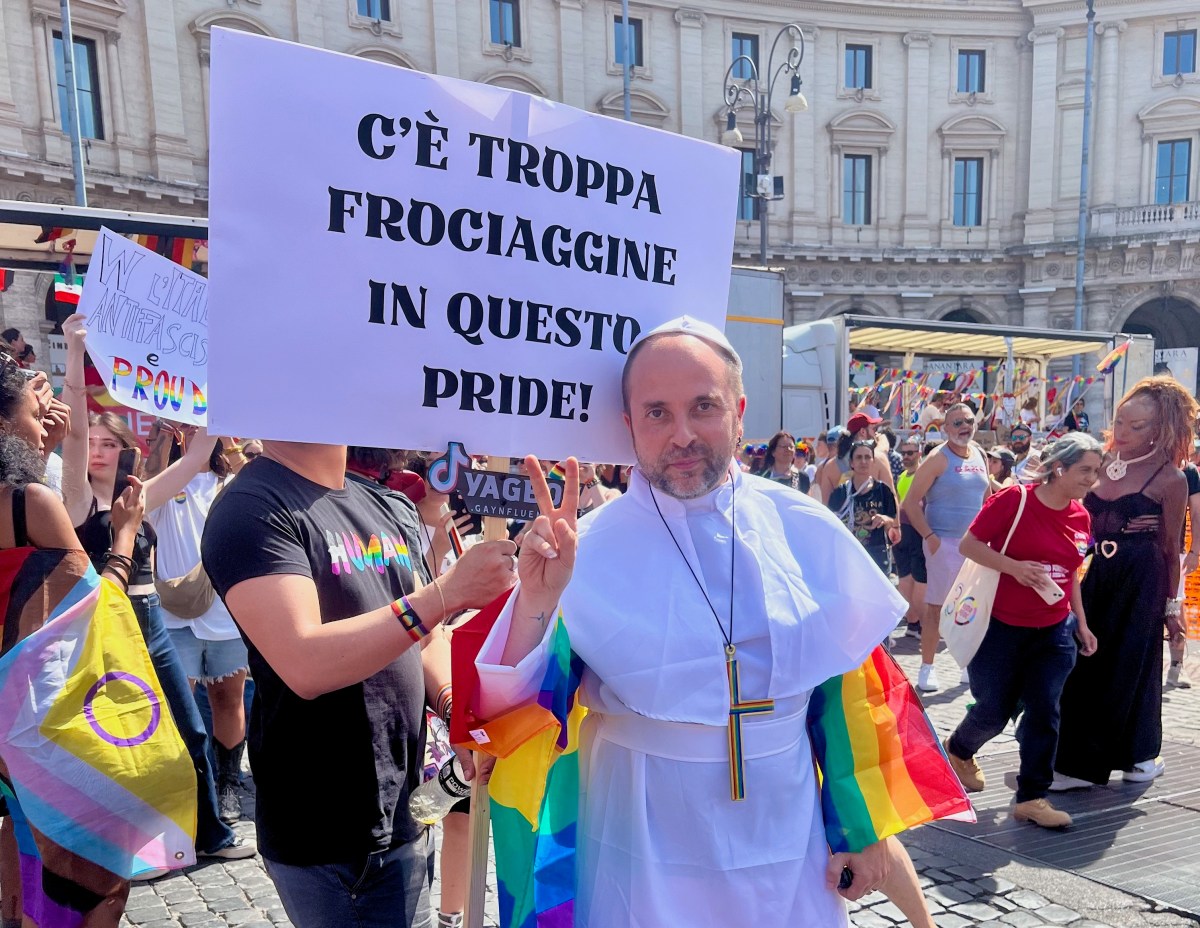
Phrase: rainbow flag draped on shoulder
pixel 534 788
pixel 882 767
pixel 95 774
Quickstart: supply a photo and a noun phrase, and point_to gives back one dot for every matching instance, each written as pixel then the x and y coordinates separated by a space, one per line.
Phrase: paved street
pixel 973 875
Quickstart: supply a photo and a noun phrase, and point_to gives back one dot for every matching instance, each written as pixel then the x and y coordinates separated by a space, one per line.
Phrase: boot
pixel 229 779
pixel 969 773
pixel 1040 812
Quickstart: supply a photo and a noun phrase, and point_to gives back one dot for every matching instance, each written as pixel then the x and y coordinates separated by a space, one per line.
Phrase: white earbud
pixel 1059 471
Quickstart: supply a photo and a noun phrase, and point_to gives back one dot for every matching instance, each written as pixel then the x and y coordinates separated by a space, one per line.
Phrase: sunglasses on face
pixel 907 454
pixel 960 423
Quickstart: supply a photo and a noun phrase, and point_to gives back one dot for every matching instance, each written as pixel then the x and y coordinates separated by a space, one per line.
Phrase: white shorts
pixel 942 568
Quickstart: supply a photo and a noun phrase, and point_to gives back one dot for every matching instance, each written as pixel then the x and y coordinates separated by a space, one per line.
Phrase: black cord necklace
pixel 730 650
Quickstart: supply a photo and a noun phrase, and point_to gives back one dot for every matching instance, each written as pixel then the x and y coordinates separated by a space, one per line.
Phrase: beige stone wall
pixel 1017 267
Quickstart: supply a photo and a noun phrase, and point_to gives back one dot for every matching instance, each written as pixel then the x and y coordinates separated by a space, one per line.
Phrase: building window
pixel 87 85
pixel 748 203
pixel 1179 53
pixel 1174 170
pixel 971 67
pixel 744 46
pixel 506 22
pixel 635 41
pixel 858 66
pixel 375 9
pixel 968 191
pixel 856 190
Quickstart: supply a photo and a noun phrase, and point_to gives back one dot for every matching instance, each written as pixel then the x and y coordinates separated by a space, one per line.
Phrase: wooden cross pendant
pixel 737 708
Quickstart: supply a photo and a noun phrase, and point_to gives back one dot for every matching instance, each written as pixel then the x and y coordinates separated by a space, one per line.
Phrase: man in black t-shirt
pixel 318 573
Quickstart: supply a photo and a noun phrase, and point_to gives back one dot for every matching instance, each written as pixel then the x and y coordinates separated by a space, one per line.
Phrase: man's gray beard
pixel 660 481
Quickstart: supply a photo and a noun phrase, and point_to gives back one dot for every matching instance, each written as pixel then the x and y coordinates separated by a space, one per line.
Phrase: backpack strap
pixel 20 531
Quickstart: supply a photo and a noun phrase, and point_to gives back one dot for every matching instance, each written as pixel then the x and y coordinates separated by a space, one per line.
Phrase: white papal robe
pixel 660 841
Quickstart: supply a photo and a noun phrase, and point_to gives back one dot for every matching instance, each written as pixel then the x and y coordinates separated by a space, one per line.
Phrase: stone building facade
pixel 934 175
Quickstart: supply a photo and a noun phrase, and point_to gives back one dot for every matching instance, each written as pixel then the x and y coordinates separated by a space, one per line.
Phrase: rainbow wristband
pixel 409 620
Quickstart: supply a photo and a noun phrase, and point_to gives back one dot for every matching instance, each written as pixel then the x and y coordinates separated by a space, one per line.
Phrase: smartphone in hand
pixel 127 463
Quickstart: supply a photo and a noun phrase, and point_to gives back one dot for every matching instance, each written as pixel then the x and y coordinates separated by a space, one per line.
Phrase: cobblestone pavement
pixel 965 883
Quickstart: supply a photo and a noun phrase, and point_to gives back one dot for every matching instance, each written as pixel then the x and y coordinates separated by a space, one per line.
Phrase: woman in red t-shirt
pixel 1029 648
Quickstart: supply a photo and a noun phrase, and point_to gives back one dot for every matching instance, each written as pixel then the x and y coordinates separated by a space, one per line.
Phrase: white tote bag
pixel 968 608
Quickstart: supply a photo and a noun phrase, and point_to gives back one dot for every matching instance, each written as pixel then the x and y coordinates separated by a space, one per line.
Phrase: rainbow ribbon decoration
pixel 882 767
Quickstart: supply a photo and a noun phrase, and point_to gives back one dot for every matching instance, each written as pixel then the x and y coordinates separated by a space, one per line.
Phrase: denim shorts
pixel 208 661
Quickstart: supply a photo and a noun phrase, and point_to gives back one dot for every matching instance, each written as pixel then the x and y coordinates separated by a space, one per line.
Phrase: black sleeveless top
pixel 95 535
pixel 1111 517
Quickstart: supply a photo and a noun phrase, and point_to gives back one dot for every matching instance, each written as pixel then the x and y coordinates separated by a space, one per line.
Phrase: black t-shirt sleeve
pixel 887 500
pixel 837 499
pixel 803 484
pixel 1193 479
pixel 246 536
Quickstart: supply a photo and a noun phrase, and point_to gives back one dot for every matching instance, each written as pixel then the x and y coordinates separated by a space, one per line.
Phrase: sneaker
pixel 1176 676
pixel 239 849
pixel 229 804
pixel 1063 783
pixel 147 875
pixel 1040 812
pixel 913 630
pixel 970 774
pixel 927 680
pixel 1146 771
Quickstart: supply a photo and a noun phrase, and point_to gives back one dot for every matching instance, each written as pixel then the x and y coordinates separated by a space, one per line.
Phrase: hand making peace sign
pixel 547 555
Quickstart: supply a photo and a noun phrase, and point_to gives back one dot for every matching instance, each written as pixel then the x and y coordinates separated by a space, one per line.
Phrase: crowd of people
pixel 333 579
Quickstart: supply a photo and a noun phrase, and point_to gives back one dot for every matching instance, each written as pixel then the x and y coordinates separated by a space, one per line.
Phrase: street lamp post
pixel 751 91
pixel 1084 168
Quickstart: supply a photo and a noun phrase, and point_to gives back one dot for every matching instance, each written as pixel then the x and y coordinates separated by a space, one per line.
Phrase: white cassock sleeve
pixel 502 687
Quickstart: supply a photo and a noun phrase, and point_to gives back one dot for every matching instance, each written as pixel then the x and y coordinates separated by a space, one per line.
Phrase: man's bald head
pixel 733 364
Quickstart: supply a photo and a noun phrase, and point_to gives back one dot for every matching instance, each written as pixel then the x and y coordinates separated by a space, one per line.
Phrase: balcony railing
pixel 1150 217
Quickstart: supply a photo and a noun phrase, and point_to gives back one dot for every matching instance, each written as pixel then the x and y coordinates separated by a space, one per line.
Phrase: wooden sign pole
pixel 495 528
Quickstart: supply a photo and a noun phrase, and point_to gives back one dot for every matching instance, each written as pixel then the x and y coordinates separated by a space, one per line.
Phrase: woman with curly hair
pixel 1112 703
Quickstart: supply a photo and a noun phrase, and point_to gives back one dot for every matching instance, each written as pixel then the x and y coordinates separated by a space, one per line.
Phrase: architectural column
pixel 570 52
pixel 170 157
pixel 1037 306
pixel 916 140
pixel 445 37
pixel 691 72
pixel 10 118
pixel 1105 138
pixel 915 304
pixel 1098 308
pixel 992 220
pixel 805 166
pixel 1043 103
pixel 43 61
pixel 122 141
pixel 308 21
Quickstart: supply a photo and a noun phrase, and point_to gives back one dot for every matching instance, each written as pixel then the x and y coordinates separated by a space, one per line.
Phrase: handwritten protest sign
pixel 448 260
pixel 147 321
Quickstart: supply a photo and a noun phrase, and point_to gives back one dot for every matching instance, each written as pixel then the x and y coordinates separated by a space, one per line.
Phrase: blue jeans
pixel 211 832
pixel 387 889
pixel 1017 666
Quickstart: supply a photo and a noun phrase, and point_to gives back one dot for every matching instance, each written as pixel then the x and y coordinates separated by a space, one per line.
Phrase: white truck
pixel 815 386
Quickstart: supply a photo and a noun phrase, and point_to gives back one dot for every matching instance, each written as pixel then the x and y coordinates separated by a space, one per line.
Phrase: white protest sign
pixel 147 322
pixel 448 261
pixel 1180 363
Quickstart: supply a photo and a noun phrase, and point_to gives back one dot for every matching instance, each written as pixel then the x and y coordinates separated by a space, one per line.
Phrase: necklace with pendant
pixel 1117 469
pixel 737 707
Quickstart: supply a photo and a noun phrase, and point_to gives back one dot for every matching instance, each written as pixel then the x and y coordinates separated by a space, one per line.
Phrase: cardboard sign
pixel 404 260
pixel 147 322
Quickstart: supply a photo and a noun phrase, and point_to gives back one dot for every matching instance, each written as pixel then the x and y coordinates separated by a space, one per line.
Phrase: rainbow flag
pixel 96 775
pixel 534 788
pixel 882 767
pixel 1109 361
